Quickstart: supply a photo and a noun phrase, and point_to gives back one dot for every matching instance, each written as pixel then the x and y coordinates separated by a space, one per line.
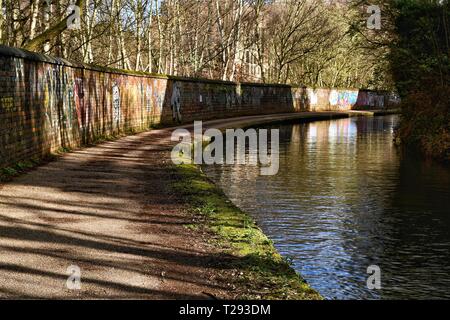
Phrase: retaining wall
pixel 49 103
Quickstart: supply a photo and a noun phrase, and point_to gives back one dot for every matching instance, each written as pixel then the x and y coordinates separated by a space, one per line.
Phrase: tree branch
pixel 52 32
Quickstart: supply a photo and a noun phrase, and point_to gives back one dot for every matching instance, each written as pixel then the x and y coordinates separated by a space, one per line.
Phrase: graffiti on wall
pixel 312 96
pixel 344 99
pixel 66 95
pixel 149 95
pixel 79 102
pixel 334 96
pixel 175 102
pixel 19 69
pixel 69 105
pixel 142 95
pixel 7 103
pixel 158 93
pixel 376 100
pixel 229 98
pixel 116 104
pixel 50 97
pixel 347 99
pixel 238 94
pixel 371 99
pixel 257 95
pixel 252 95
pixel 56 91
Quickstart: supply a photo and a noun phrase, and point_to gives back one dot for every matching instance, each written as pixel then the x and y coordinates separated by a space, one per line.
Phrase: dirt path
pixel 109 210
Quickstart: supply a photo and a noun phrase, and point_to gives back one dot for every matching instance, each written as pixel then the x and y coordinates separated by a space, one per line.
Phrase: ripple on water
pixel 344 199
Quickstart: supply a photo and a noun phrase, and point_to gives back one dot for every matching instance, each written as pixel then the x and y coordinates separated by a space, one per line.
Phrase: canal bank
pixel 260 272
pixel 137 227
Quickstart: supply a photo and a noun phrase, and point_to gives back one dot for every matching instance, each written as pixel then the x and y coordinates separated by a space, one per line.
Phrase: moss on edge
pixel 262 272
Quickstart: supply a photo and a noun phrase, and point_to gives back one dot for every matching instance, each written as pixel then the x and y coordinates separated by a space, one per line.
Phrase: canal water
pixel 345 199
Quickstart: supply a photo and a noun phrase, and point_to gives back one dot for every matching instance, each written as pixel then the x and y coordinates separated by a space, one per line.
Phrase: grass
pixel 262 273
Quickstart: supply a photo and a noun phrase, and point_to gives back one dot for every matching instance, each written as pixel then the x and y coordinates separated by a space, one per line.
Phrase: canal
pixel 344 199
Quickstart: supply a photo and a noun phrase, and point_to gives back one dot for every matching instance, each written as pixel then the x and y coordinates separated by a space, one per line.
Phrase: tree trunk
pixel 150 38
pixel 52 32
pixel 34 18
pixel 1 21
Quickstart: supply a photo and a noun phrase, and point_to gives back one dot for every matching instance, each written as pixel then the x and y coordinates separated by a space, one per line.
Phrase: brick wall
pixel 321 99
pixel 47 103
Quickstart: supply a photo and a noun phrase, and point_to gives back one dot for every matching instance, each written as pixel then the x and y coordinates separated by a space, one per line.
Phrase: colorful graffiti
pixel 116 104
pixel 343 99
pixel 347 99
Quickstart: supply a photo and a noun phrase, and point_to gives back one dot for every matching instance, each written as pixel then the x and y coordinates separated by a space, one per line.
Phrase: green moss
pixel 7 172
pixel 192 227
pixel 262 271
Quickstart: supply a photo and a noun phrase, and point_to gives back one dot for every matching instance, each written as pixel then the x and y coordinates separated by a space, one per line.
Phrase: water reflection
pixel 345 199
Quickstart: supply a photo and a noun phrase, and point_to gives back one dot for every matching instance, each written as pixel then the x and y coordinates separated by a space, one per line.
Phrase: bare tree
pixel 289 41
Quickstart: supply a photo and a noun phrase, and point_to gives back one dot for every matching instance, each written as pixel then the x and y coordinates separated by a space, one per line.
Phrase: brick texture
pixel 48 103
